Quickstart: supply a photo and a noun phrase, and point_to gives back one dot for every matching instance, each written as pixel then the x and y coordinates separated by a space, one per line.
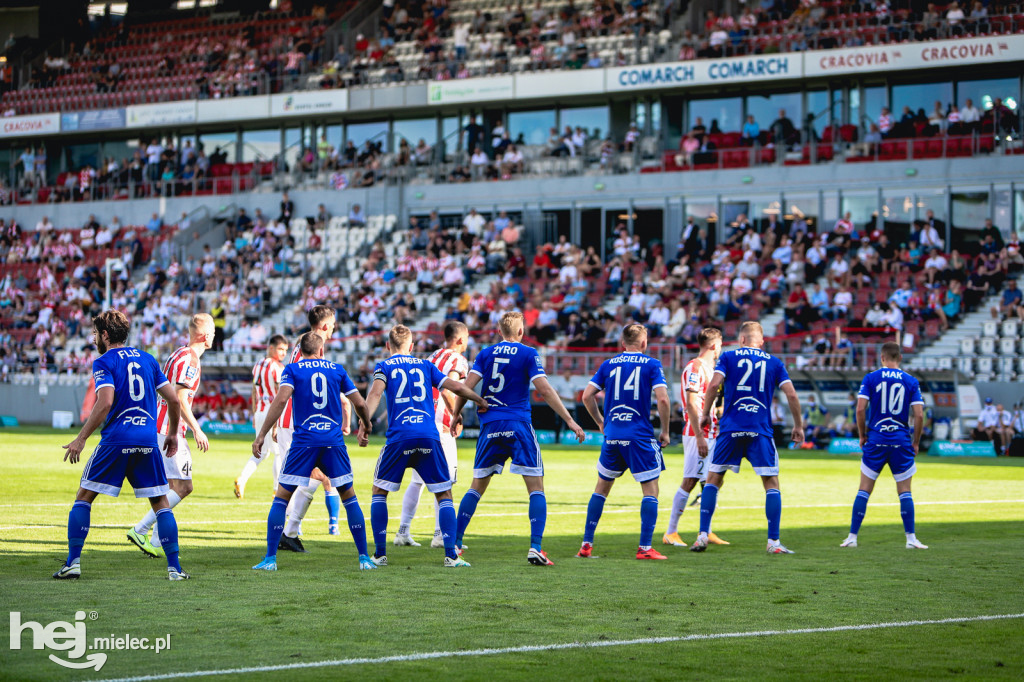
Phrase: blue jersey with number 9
pixel 506 371
pixel 409 384
pixel 890 394
pixel 317 413
pixel 135 377
pixel 751 377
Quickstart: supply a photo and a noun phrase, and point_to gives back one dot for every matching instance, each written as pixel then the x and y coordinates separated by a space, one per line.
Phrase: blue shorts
pixel 425 455
pixel 642 457
pixel 505 438
pixel 109 465
pixel 758 449
pixel 331 459
pixel 900 459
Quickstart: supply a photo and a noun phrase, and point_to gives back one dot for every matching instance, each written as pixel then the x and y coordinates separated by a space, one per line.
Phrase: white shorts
pixel 451 454
pixel 269 446
pixel 179 466
pixel 284 443
pixel 695 466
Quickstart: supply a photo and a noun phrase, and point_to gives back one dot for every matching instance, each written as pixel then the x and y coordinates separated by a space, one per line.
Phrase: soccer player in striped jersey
pixel 628 381
pixel 888 399
pixel 266 377
pixel 321 321
pixel 696 376
pixel 183 371
pixel 127 384
pixel 452 363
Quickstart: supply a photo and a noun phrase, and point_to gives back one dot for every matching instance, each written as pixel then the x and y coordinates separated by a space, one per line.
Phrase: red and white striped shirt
pixel 285 422
pixel 266 376
pixel 181 369
pixel 447 361
pixel 696 377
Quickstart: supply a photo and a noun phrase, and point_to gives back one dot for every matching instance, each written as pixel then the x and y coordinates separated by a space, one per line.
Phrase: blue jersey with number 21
pixel 135 377
pixel 890 394
pixel 751 377
pixel 506 371
pixel 409 384
pixel 316 401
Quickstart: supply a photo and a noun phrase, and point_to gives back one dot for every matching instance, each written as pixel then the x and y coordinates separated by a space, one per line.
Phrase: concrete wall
pixel 28 405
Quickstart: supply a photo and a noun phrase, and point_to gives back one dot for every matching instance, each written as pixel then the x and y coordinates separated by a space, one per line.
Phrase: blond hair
pixel 751 328
pixel 200 321
pixel 399 336
pixel 511 322
pixel 633 334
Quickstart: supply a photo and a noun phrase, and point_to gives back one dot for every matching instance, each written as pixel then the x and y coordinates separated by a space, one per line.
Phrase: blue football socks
pixel 379 524
pixel 446 520
pixel 356 524
pixel 538 518
pixel 907 512
pixel 708 501
pixel 333 501
pixel 167 527
pixel 860 508
pixel 467 507
pixel 648 520
pixel 594 510
pixel 772 510
pixel 275 524
pixel 78 529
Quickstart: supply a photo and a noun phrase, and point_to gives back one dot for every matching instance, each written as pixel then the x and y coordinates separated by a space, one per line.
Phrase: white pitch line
pixel 558 647
pixel 185 522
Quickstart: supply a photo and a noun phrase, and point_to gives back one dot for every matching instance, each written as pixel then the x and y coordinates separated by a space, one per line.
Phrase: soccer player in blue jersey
pixel 887 400
pixel 315 387
pixel 127 383
pixel 628 380
pixel 750 377
pixel 412 438
pixel 506 429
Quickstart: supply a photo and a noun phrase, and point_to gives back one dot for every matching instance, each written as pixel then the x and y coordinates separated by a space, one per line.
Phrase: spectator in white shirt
pixel 839 271
pixel 474 222
pixel 970 116
pixel 104 237
pixel 930 237
pixel 935 265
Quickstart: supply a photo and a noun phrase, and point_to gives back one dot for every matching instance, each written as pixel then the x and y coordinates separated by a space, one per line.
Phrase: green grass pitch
pixel 319 607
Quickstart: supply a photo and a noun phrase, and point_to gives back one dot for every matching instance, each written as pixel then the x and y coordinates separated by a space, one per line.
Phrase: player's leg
pixel 595 507
pixel 410 503
pixel 446 519
pixel 860 504
pixel 773 512
pixel 387 478
pixel 178 470
pixel 336 467
pixel 538 512
pixel 491 453
pixel 729 452
pixel 451 455
pixel 694 471
pixel 901 463
pixel 648 520
pixel 276 517
pixel 431 463
pixel 332 500
pixel 468 503
pixel 355 518
pixel 253 462
pixel 79 518
pixel 167 531
pixel 148 477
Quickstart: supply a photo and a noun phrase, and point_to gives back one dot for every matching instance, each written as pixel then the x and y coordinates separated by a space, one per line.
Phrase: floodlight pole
pixel 106 268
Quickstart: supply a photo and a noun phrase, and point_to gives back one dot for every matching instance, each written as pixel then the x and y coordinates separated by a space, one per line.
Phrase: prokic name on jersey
pixel 317 387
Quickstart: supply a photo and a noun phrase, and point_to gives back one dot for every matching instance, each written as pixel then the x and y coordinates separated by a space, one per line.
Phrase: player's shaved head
pixel 707 337
pixel 633 335
pixel 752 334
pixel 399 337
pixel 116 325
pixel 200 323
pixel 319 314
pixel 511 324
pixel 892 352
pixel 453 329
pixel 310 345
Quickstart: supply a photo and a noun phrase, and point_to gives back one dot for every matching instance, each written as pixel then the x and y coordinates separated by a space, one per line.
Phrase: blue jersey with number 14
pixel 890 394
pixel 628 380
pixel 751 377
pixel 317 412
pixel 135 377
pixel 506 371
pixel 409 384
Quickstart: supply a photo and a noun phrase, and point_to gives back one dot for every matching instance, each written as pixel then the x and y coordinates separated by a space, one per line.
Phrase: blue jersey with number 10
pixel 751 377
pixel 135 377
pixel 506 371
pixel 890 394
pixel 317 413
pixel 628 380
pixel 409 384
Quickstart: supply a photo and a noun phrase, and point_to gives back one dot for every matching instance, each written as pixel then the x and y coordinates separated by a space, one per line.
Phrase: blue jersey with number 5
pixel 506 371
pixel 890 394
pixel 628 380
pixel 751 377
pixel 317 386
pixel 135 377
pixel 409 384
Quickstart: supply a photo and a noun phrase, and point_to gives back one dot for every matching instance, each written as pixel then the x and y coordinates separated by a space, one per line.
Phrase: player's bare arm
pixel 590 394
pixel 346 414
pixel 169 395
pixel 862 421
pixel 664 414
pixel 104 401
pixel 794 408
pixel 202 442
pixel 372 401
pixel 918 426
pixel 550 396
pixel 450 398
pixel 284 394
pixel 471 381
pixel 466 393
pixel 709 400
pixel 363 414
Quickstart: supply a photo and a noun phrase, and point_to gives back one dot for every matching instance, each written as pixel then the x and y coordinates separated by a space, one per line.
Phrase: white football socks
pixel 247 471
pixel 148 521
pixel 678 507
pixel 410 503
pixel 297 508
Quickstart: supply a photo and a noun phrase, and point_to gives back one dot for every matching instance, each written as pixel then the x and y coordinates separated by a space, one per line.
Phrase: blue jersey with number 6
pixel 135 377
pixel 890 394
pixel 751 377
pixel 506 371
pixel 317 386
pixel 628 380
pixel 409 384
